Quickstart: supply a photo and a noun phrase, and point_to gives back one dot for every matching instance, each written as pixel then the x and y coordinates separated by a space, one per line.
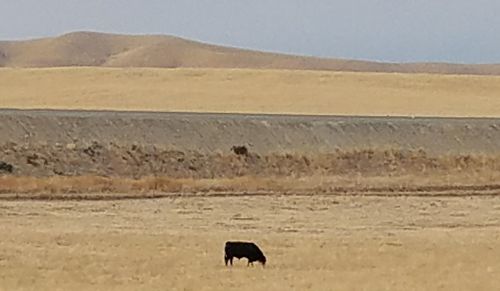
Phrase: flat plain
pixel 316 242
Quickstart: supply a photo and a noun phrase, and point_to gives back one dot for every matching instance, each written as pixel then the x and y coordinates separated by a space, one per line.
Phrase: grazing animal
pixel 239 249
pixel 5 167
pixel 240 150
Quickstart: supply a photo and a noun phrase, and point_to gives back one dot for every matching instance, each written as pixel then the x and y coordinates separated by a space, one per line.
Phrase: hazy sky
pixel 466 31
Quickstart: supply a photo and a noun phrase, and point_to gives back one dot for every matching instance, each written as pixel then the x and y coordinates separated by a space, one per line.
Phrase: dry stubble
pixel 313 243
pixel 255 91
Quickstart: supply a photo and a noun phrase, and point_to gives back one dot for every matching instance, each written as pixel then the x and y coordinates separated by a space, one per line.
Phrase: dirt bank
pixel 116 152
pixel 262 134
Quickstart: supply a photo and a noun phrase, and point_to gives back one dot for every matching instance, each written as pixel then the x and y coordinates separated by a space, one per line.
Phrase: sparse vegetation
pixel 149 171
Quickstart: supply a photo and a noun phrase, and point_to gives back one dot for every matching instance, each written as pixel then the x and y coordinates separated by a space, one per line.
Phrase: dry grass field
pixel 255 91
pixel 75 215
pixel 435 184
pixel 312 243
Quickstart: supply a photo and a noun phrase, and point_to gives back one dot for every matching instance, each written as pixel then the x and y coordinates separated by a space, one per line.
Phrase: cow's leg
pixel 231 260
pixel 226 259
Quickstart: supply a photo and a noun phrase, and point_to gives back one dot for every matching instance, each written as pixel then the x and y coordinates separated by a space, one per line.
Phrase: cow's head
pixel 263 260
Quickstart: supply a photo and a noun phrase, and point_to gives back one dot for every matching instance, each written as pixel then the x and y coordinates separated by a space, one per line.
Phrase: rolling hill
pixel 113 50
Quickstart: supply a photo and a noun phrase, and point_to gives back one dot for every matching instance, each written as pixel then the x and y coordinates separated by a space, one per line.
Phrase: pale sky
pixel 463 31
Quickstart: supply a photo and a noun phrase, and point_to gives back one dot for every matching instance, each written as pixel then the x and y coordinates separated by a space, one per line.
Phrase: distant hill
pixel 113 50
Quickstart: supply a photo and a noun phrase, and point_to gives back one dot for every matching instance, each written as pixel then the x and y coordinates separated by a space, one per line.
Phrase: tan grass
pixel 342 171
pixel 312 243
pixel 414 184
pixel 250 91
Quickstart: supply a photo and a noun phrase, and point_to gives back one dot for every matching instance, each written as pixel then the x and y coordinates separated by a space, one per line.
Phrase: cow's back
pixel 237 249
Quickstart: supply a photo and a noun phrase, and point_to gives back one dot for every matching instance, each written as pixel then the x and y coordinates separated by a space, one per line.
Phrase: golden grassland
pixel 90 187
pixel 312 243
pixel 250 91
pixel 341 232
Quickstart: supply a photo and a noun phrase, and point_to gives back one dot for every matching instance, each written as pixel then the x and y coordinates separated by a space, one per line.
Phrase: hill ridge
pixel 84 48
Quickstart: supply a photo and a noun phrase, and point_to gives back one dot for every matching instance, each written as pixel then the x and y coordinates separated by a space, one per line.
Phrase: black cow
pixel 240 150
pixel 5 167
pixel 239 249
